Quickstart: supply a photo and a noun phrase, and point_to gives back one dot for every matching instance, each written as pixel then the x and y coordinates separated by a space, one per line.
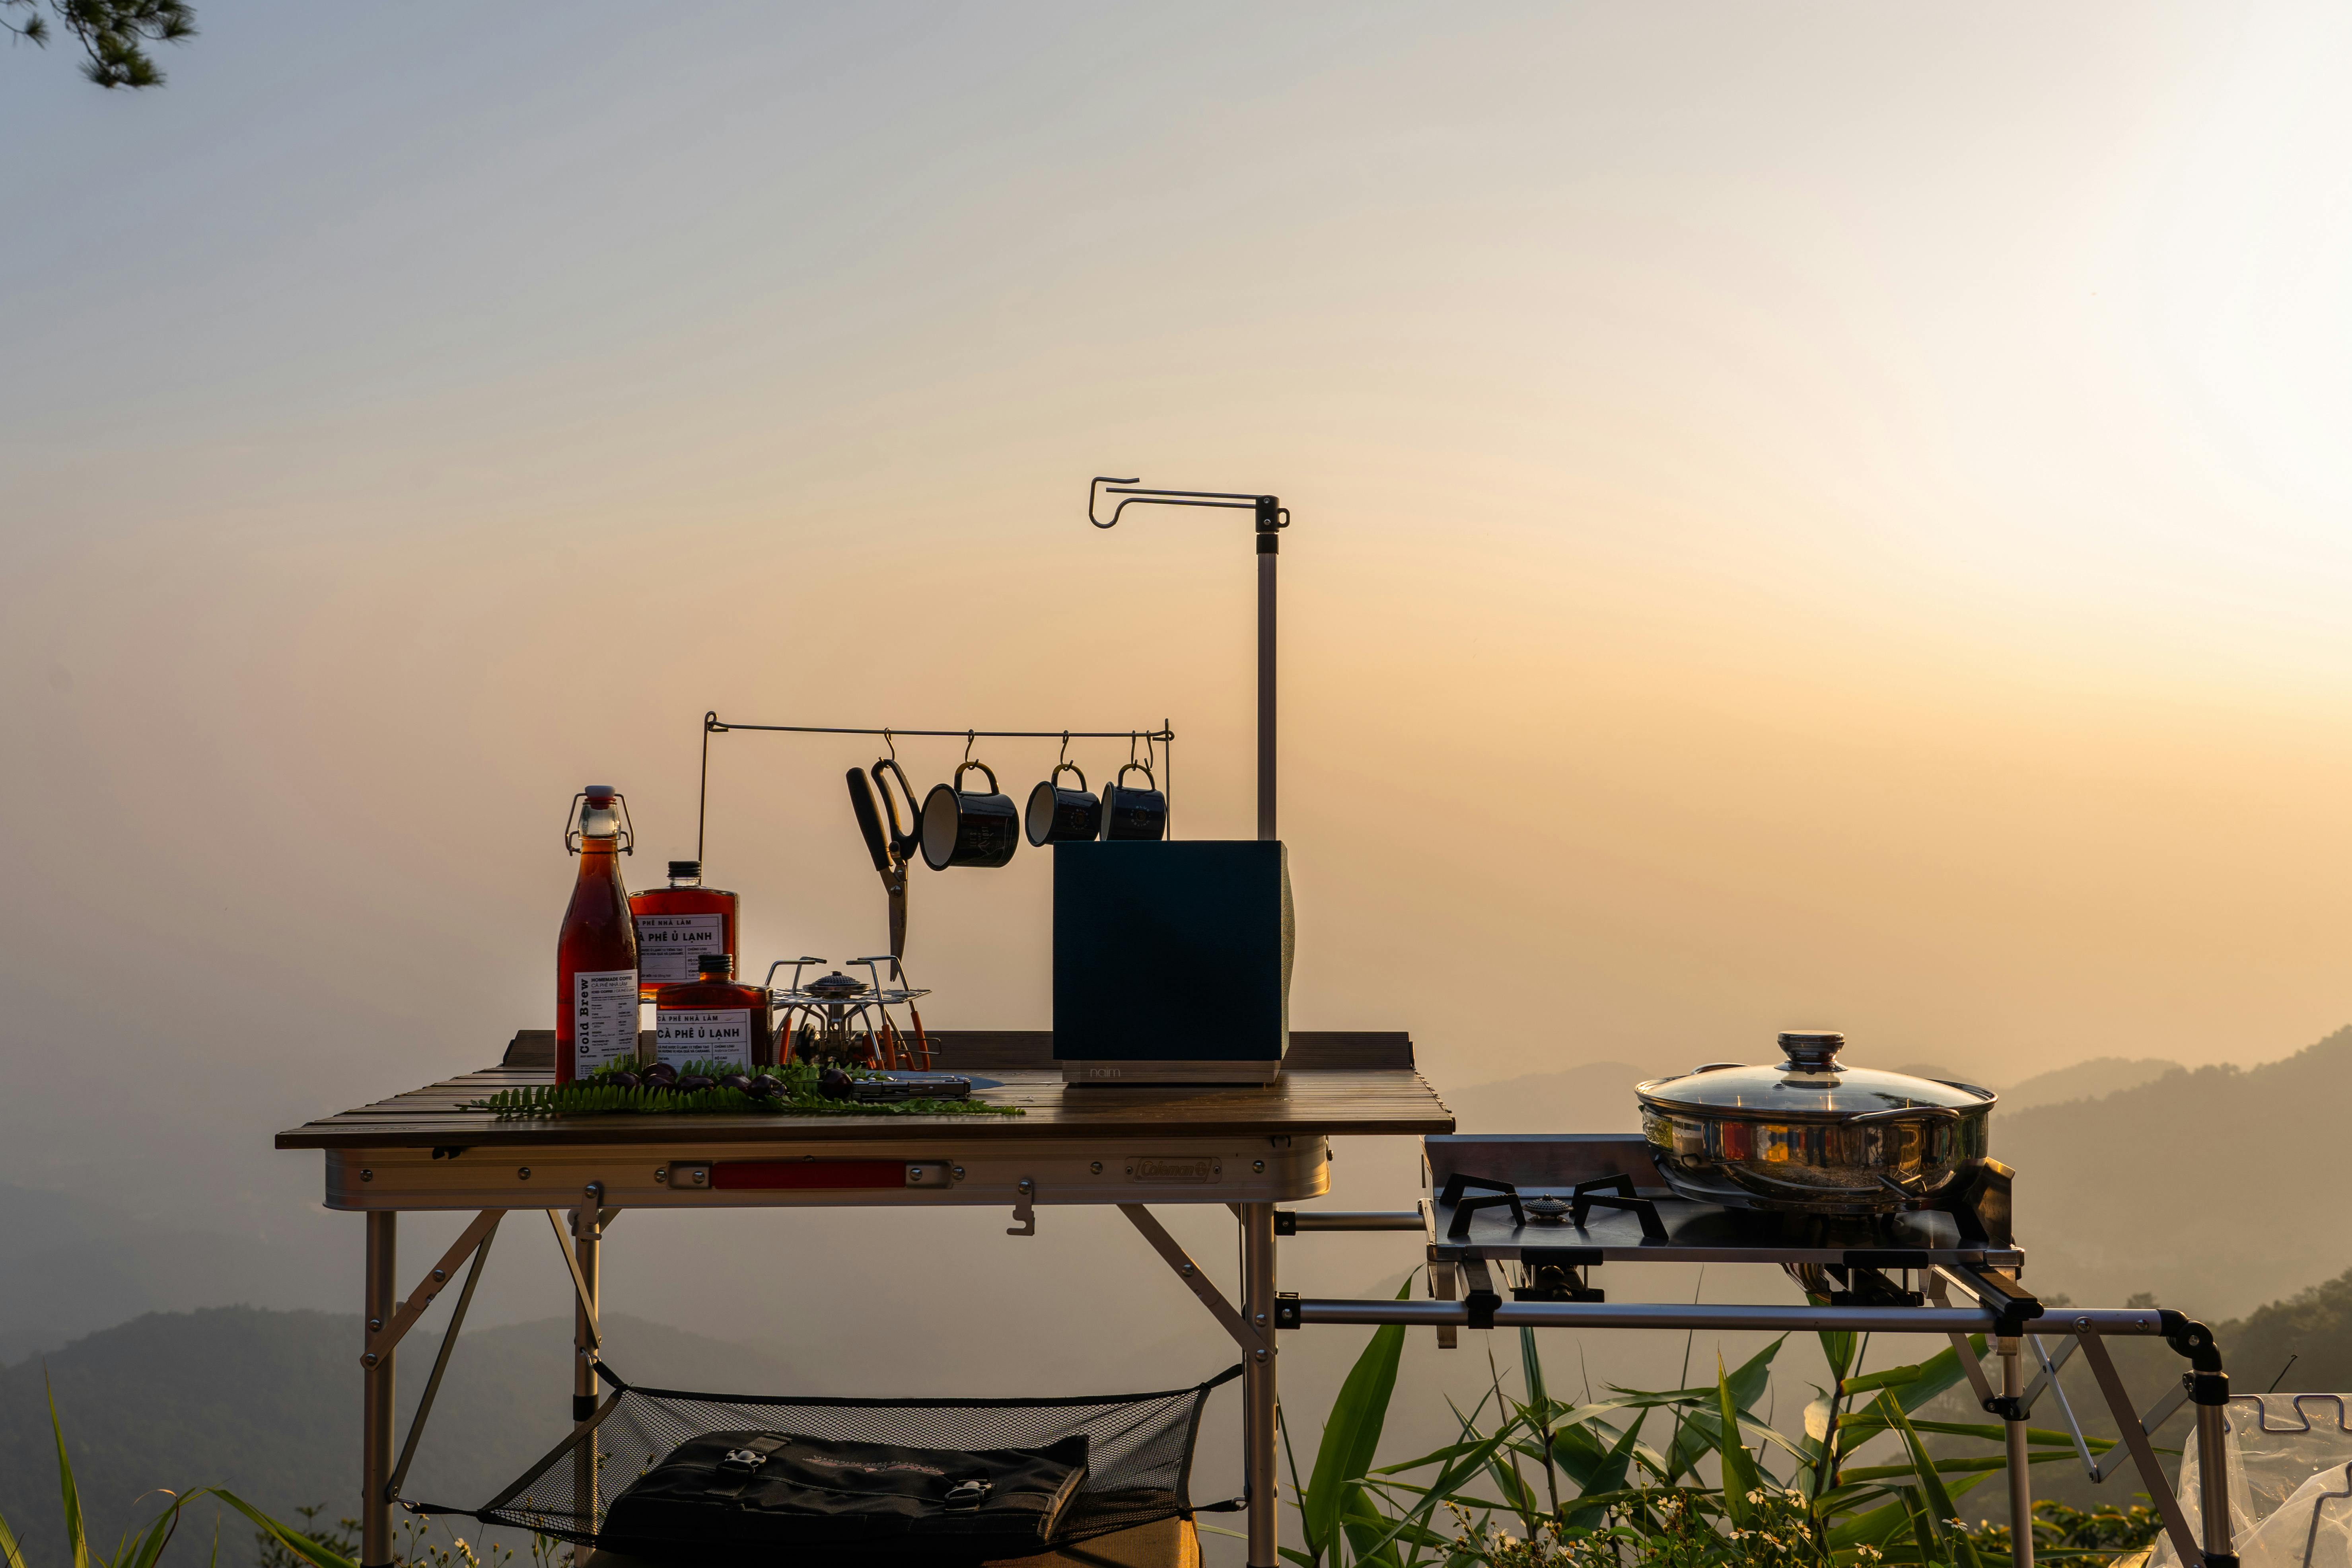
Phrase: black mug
pixel 1134 813
pixel 1057 815
pixel 969 829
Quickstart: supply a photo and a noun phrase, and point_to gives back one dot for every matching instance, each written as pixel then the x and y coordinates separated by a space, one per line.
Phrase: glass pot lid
pixel 1812 1082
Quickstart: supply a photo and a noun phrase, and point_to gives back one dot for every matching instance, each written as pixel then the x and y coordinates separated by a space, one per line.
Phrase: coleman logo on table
pixel 1174 1168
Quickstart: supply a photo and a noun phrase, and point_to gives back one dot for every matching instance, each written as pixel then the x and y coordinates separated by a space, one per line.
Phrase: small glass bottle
pixel 711 1018
pixel 679 924
pixel 596 951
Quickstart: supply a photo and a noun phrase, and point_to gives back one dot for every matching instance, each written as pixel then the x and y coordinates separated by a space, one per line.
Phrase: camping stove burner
pixel 1547 1211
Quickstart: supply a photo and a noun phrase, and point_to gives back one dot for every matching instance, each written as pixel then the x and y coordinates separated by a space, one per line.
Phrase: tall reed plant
pixel 1690 1476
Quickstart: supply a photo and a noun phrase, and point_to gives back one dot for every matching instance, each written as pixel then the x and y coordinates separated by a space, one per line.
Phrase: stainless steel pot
pixel 1810 1134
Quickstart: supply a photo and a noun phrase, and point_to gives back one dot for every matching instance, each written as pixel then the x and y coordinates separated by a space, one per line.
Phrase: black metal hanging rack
pixel 1164 738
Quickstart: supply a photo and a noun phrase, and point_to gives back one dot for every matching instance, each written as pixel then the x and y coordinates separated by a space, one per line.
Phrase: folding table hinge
pixel 2008 1407
pixel 1285 1222
pixel 1285 1309
pixel 1481 1305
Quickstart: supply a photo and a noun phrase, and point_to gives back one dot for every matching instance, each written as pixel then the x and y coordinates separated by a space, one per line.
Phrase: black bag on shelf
pixel 1059 1470
pixel 743 1495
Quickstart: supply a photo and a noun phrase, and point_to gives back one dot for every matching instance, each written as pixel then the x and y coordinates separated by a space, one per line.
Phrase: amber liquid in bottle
pixel 711 1018
pixel 678 924
pixel 596 953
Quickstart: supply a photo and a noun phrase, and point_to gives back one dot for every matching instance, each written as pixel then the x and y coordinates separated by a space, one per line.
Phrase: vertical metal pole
pixel 2213 1478
pixel 2020 1475
pixel 375 1395
pixel 1268 541
pixel 587 1236
pixel 1258 1387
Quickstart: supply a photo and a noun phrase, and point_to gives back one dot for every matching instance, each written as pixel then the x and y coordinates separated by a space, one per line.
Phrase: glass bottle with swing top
pixel 596 950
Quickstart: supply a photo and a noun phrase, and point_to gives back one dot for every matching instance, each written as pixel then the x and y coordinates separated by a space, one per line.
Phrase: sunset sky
pixel 1822 515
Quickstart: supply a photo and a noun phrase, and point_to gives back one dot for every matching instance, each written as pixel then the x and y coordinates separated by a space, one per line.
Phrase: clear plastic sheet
pixel 2289 1458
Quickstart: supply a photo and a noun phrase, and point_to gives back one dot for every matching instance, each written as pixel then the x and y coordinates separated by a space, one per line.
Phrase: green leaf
pixel 1738 1465
pixel 10 1553
pixel 1891 1375
pixel 159 1534
pixel 1837 1349
pixel 1941 1510
pixel 1531 1368
pixel 294 1540
pixel 77 1537
pixel 1351 1432
pixel 1936 1374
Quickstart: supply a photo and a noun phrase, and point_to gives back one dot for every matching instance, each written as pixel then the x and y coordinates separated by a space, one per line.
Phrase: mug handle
pixel 902 843
pixel 1143 768
pixel 1072 767
pixel 983 767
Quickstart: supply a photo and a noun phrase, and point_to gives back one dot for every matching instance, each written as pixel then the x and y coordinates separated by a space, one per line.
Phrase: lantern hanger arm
pixel 1272 513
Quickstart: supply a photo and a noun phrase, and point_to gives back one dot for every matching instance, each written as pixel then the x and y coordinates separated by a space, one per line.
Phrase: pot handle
pixel 1906 1114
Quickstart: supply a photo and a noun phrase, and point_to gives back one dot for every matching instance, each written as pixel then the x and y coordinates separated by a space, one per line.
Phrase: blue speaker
pixel 1172 960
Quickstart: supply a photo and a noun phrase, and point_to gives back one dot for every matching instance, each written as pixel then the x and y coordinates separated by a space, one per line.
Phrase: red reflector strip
pixel 806 1175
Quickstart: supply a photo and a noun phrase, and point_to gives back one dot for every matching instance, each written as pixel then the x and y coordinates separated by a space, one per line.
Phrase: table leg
pixel 375 1395
pixel 587 1244
pixel 1258 1437
pixel 2021 1473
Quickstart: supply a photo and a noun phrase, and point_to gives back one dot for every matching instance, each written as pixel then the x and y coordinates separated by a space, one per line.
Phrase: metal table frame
pixel 422 1152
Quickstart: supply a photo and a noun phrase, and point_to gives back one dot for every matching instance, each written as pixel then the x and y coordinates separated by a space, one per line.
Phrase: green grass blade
pixel 10 1553
pixel 76 1536
pixel 1936 1374
pixel 1351 1432
pixel 1738 1465
pixel 1531 1368
pixel 159 1534
pixel 1942 1511
pixel 294 1540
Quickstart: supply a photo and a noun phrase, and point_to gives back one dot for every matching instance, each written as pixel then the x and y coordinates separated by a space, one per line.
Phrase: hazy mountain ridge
pixel 2214 1188
pixel 267 1404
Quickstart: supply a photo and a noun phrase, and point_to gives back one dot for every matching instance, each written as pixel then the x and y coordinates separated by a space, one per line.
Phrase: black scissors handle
pixel 870 820
pixel 903 840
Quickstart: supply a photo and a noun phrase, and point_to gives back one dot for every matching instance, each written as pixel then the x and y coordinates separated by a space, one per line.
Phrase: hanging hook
pixel 1066 751
pixel 891 742
pixel 968 735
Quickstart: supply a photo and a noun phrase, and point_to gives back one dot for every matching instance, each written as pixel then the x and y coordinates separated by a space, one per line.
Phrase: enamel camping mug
pixel 1134 813
pixel 1057 815
pixel 968 827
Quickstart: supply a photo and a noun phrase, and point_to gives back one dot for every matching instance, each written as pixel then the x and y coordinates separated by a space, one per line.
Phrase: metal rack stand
pixel 1579 1201
pixel 1164 737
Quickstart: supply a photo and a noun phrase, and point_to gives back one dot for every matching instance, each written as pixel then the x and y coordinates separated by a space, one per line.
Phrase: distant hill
pixel 2214 1188
pixel 1595 1098
pixel 2218 1189
pixel 267 1404
pixel 75 1260
pixel 2086 1081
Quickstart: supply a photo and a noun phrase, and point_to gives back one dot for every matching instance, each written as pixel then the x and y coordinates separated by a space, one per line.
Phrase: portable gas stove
pixel 1548 1209
pixel 837 1017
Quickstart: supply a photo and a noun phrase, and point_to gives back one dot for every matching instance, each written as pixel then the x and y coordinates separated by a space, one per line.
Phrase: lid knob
pixel 1812 1050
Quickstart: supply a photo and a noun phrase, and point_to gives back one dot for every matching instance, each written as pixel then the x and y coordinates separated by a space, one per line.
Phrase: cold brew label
pixel 683 1034
pixel 604 1019
pixel 669 947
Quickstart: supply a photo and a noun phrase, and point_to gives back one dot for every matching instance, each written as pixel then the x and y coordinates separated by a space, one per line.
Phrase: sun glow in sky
pixel 1824 514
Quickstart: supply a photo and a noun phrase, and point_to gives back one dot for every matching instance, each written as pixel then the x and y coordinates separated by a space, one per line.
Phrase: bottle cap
pixel 678 869
pixel 721 963
pixel 598 793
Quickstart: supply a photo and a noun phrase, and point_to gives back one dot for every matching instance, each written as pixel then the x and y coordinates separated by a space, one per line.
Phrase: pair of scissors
pixel 893 849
